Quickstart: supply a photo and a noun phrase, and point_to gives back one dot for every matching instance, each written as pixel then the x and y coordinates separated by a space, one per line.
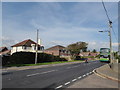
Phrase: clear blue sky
pixel 59 23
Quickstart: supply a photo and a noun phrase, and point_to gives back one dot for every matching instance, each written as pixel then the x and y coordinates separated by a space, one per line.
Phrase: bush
pixel 78 58
pixel 98 56
pixel 29 58
pixel 5 60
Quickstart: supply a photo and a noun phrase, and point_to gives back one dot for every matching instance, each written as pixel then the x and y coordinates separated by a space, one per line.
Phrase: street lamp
pixel 109 34
pixel 104 31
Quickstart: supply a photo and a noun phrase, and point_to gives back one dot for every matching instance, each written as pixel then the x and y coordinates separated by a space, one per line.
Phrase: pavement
pixel 108 72
pixel 103 77
pixel 94 81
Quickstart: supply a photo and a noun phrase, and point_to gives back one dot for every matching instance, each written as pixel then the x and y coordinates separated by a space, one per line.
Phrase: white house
pixel 27 46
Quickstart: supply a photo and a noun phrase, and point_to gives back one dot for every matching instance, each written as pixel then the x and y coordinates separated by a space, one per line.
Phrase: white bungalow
pixel 27 46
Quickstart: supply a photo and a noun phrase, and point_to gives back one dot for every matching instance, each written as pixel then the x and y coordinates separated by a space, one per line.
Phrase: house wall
pixel 13 50
pixel 21 49
pixel 57 53
pixel 53 52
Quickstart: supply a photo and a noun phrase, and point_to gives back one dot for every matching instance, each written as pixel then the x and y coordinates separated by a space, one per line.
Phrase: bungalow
pixel 4 51
pixel 27 46
pixel 94 54
pixel 88 54
pixel 84 54
pixel 57 50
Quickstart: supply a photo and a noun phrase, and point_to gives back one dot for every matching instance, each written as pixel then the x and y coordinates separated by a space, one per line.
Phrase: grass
pixel 46 63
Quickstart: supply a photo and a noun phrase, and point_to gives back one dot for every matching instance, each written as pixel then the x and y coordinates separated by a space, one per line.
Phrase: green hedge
pixel 29 58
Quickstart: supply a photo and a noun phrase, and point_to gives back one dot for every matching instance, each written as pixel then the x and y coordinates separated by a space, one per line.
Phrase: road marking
pixel 68 67
pixel 32 74
pixel 90 72
pixel 94 70
pixel 74 80
pixel 79 77
pixel 67 83
pixel 59 87
pixel 48 71
pixel 84 75
pixel 87 74
pixel 40 73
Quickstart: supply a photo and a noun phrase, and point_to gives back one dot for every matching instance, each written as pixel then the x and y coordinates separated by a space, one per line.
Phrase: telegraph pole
pixel 36 55
pixel 110 29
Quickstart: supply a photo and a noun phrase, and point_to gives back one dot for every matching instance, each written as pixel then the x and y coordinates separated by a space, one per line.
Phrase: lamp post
pixel 110 39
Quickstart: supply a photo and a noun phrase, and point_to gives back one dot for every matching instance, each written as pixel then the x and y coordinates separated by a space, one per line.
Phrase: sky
pixel 59 23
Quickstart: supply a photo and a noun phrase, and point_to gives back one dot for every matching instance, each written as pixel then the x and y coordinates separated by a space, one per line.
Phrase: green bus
pixel 105 54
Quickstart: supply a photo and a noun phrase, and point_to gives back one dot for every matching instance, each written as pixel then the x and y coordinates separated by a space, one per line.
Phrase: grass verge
pixel 46 63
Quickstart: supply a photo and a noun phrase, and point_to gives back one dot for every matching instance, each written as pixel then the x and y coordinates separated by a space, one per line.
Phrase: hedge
pixel 29 58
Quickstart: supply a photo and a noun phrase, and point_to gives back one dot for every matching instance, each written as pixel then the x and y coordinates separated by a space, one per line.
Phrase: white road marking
pixel 48 71
pixel 32 74
pixel 90 72
pixel 94 70
pixel 40 73
pixel 67 83
pixel 73 67
pixel 74 80
pixel 79 77
pixel 84 75
pixel 87 74
pixel 59 87
pixel 68 67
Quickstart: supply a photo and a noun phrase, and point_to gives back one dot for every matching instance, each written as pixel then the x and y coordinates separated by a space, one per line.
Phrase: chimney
pixel 39 41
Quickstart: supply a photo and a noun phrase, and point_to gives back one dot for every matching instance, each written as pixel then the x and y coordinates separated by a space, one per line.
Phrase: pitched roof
pixel 57 47
pixel 3 48
pixel 84 53
pixel 94 54
pixel 5 52
pixel 27 42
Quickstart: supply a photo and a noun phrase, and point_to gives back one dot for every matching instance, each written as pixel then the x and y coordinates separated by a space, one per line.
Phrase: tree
pixel 75 48
pixel 94 51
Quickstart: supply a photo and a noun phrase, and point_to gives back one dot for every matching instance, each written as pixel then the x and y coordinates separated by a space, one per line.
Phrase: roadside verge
pixel 38 66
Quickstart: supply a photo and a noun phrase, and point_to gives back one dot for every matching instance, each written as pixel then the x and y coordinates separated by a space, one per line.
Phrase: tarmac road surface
pixel 50 77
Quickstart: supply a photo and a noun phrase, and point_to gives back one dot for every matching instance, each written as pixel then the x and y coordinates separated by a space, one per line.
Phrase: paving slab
pixel 108 72
pixel 94 81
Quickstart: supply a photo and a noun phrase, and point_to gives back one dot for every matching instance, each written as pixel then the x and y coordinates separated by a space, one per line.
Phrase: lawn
pixel 46 63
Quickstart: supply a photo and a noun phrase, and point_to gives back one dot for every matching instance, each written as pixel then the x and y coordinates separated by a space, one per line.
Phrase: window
pixel 39 48
pixel 24 47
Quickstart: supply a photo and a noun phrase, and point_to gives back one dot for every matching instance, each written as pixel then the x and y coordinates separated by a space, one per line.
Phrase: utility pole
pixel 36 55
pixel 110 29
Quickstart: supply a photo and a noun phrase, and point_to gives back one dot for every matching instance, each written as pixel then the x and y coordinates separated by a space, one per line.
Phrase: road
pixel 50 77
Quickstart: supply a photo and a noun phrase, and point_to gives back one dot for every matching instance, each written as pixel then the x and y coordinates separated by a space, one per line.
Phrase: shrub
pixel 29 58
pixel 22 58
pixel 5 60
pixel 98 56
pixel 78 58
